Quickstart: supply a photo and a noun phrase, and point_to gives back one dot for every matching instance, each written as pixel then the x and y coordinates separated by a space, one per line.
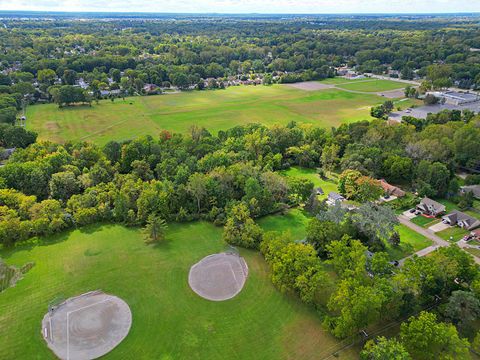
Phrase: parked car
pixel 412 211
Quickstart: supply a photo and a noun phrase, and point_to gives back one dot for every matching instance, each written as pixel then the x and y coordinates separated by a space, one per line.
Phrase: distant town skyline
pixel 248 6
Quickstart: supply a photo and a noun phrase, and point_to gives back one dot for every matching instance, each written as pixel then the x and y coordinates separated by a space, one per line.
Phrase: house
pixel 462 220
pixel 151 89
pixel 391 190
pixel 342 71
pixel 334 197
pixel 431 207
pixel 474 189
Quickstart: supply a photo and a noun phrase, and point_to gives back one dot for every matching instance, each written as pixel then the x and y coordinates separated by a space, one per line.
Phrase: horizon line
pixel 232 13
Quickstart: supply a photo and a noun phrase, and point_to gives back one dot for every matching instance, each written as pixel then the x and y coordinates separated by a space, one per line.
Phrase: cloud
pixel 247 6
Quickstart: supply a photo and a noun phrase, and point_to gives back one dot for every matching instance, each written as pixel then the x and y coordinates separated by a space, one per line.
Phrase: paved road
pixel 438 242
pixel 464 245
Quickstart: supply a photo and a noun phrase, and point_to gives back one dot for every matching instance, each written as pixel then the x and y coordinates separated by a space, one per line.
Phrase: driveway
pixel 439 227
pixel 409 215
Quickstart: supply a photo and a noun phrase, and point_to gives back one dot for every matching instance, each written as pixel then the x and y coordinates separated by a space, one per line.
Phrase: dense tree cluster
pixel 200 175
pixel 121 56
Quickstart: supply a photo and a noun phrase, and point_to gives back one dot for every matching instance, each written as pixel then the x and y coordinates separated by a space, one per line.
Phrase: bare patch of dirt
pixel 52 126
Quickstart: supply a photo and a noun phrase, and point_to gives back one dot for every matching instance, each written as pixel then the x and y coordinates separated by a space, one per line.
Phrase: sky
pixel 248 6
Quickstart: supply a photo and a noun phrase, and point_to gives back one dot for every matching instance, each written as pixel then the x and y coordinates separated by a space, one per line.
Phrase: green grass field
pixel 169 320
pixel 372 85
pixel 410 242
pixel 328 185
pixel 424 221
pixel 214 110
pixel 295 221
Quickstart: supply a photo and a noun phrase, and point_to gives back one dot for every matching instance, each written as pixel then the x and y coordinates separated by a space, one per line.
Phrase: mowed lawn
pixel 410 242
pixel 372 85
pixel 169 320
pixel 214 110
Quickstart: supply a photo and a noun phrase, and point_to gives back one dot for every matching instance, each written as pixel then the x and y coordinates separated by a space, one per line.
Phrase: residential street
pixel 438 242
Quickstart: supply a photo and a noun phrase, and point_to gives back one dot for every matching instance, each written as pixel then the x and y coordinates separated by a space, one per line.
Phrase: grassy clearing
pixel 169 320
pixel 328 185
pixel 453 234
pixel 214 110
pixel 295 221
pixel 410 242
pixel 373 85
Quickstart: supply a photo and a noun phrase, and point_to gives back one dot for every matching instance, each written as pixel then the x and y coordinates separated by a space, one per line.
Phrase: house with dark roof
pixel 391 189
pixel 431 207
pixel 462 220
pixel 474 189
pixel 6 153
pixel 334 197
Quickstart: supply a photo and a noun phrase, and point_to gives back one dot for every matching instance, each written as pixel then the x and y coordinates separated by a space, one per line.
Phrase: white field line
pixel 234 276
pixel 68 316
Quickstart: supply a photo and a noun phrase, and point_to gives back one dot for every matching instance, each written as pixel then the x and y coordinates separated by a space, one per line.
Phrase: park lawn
pixel 410 242
pixel 328 184
pixel 373 85
pixel 169 320
pixel 424 221
pixel 214 110
pixel 456 232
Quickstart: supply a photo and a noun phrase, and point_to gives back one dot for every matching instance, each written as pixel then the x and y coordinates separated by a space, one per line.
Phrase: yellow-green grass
pixel 169 320
pixel 410 242
pixel 214 110
pixel 373 85
pixel 328 184
pixel 473 251
pixel 453 234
